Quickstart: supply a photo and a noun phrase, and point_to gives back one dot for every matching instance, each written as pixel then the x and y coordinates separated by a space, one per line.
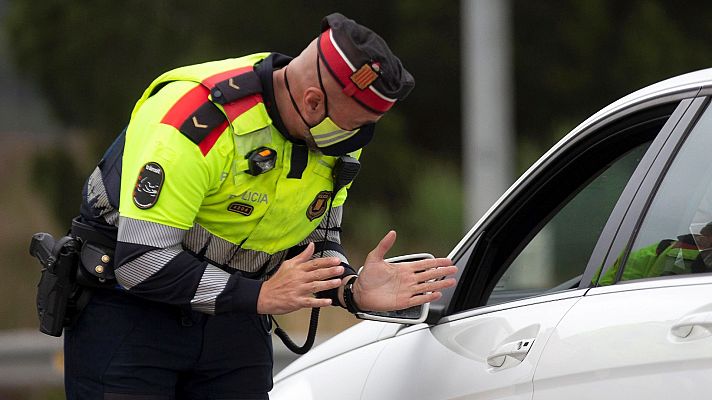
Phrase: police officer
pixel 220 196
pixel 686 254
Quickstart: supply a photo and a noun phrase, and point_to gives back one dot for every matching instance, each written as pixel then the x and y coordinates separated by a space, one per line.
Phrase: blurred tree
pixel 573 57
pixel 92 60
pixel 64 193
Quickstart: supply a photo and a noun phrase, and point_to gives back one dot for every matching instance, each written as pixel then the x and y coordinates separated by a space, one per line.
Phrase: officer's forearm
pixel 175 276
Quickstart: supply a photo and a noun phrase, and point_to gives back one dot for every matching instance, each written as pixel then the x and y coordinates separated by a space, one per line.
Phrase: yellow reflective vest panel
pixel 185 185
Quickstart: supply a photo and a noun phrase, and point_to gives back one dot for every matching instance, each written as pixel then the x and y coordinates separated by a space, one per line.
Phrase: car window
pixel 675 237
pixel 557 255
pixel 550 229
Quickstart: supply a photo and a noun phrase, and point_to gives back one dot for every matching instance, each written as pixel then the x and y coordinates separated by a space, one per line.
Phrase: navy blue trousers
pixel 123 347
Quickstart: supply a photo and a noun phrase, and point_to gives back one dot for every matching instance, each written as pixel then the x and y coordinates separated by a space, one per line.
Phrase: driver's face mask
pixel 331 139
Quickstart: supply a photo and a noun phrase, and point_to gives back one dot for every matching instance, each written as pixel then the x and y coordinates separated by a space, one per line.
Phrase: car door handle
pixel 517 350
pixel 683 327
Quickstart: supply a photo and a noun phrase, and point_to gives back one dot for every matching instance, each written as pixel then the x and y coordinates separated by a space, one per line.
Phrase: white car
pixel 588 279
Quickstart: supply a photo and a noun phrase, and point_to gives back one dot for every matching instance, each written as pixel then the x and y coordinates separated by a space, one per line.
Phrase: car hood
pixel 357 336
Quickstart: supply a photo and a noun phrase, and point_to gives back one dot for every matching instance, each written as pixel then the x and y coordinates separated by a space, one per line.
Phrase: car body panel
pixel 342 377
pixel 514 304
pixel 450 360
pixel 359 335
pixel 620 344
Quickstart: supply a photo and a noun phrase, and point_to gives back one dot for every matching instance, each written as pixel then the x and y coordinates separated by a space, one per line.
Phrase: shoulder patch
pixel 185 106
pixel 236 87
pixel 148 185
pixel 197 118
pixel 204 126
pixel 236 90
pixel 197 114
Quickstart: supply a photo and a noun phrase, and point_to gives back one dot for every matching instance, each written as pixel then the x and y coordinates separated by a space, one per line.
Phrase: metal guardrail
pixel 30 358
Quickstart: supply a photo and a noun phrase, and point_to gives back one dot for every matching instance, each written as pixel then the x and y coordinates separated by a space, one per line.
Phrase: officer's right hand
pixel 296 281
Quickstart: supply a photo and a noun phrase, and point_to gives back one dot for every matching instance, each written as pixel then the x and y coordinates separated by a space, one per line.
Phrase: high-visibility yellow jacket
pixel 189 213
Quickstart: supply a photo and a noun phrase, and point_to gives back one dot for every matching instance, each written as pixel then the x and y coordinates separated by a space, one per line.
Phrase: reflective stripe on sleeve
pixel 143 267
pixel 148 233
pixel 211 285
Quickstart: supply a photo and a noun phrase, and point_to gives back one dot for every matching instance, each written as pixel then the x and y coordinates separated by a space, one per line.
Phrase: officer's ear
pixel 314 104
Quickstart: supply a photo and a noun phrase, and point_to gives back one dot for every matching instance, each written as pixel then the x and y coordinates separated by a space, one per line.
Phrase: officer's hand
pixel 296 281
pixel 383 286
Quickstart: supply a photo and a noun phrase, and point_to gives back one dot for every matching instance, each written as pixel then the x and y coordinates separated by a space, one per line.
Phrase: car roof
pixel 677 84
pixel 685 83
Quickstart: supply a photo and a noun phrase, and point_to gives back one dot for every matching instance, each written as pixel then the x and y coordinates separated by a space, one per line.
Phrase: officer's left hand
pixel 383 286
pixel 293 285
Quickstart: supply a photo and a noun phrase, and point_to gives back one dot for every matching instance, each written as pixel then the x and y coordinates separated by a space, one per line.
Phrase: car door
pixel 645 330
pixel 522 269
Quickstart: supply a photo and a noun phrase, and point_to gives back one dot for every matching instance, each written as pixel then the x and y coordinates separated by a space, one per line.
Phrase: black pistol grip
pixel 41 246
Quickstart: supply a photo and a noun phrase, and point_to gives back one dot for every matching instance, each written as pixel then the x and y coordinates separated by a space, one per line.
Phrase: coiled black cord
pixel 314 318
pixel 344 172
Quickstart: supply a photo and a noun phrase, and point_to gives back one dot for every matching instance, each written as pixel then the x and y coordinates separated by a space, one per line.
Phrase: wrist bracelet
pixel 349 296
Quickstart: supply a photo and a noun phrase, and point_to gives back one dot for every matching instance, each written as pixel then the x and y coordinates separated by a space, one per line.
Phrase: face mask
pixel 331 139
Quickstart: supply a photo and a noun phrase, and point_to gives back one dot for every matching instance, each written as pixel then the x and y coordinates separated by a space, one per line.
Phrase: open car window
pixel 557 255
pixel 541 241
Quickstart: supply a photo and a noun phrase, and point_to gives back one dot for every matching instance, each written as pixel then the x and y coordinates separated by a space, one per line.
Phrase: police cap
pixel 362 63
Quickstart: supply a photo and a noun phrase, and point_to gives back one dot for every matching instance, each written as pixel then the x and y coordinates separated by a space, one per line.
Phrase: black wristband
pixel 349 296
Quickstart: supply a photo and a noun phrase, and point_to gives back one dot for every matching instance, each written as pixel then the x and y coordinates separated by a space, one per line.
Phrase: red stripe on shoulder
pixel 185 106
pixel 234 110
pixel 183 111
pixel 188 105
pixel 237 108
pixel 207 144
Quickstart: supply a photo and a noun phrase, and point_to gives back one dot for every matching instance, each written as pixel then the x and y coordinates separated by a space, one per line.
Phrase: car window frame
pixel 640 205
pixel 451 303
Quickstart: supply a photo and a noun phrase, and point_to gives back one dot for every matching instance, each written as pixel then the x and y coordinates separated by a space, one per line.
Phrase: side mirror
pixel 411 315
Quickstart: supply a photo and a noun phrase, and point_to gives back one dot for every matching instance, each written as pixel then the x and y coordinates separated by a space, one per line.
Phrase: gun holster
pixel 57 288
pixel 71 266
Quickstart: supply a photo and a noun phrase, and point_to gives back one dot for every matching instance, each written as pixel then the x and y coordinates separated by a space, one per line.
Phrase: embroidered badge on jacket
pixel 148 185
pixel 317 207
pixel 241 208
